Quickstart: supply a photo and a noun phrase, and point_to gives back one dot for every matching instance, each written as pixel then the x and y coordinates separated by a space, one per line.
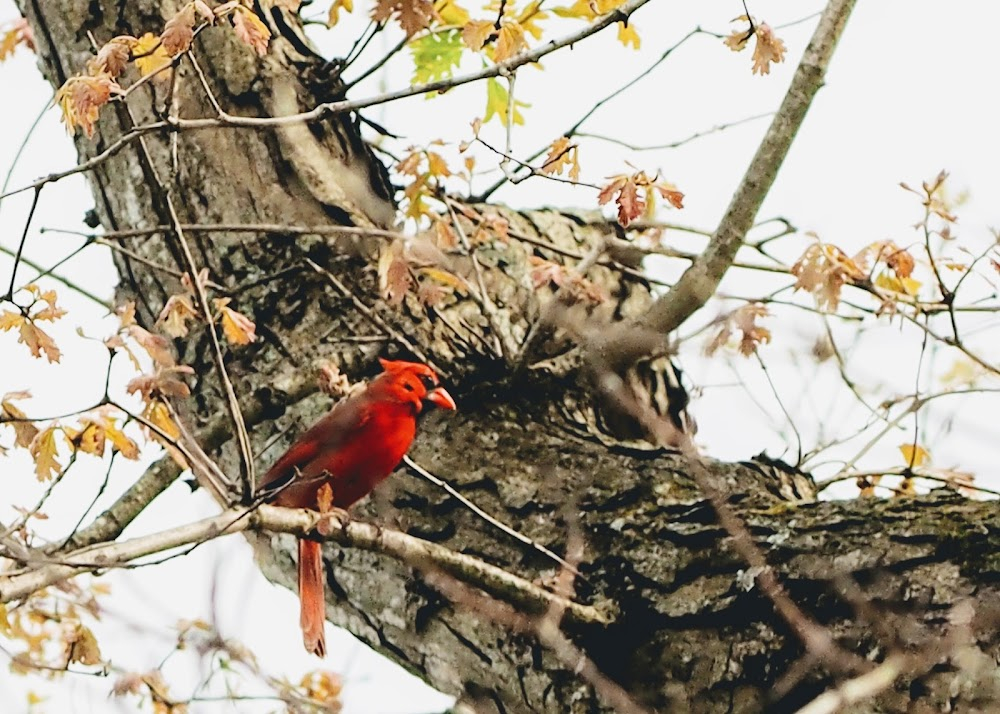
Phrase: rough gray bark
pixel 691 633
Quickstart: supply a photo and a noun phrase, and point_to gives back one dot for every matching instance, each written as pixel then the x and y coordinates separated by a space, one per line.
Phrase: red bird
pixel 353 448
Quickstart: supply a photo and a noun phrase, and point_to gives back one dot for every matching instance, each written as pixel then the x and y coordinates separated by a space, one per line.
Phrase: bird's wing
pixel 325 436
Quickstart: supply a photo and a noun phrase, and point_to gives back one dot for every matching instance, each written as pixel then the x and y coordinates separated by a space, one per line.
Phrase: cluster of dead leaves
pixel 180 309
pixel 590 10
pixel 916 456
pixel 744 321
pixel 52 620
pixel 635 195
pixel 81 97
pixel 824 269
pixel 412 15
pixel 505 36
pixel 417 263
pixel 151 683
pixel 934 201
pixel 427 169
pixel 324 689
pixel 43 308
pixel 767 49
pixel 93 433
pixel 155 387
pixel 14 34
pixel 575 287
pixel 563 155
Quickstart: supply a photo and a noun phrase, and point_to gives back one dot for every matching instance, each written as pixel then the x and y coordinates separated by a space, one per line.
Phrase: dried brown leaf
pixel 237 327
pixel 112 59
pixel 476 33
pixel 251 30
pixel 179 31
pixel 769 49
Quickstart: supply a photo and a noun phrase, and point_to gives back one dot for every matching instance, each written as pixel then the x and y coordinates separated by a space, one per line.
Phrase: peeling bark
pixel 691 632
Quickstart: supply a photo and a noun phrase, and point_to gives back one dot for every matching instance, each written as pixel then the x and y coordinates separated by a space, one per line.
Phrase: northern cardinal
pixel 353 448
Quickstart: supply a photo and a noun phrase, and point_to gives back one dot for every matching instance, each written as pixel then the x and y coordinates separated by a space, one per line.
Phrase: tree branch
pixel 701 280
pixel 337 526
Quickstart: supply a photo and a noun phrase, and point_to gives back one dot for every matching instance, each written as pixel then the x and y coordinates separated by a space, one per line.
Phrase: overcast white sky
pixel 905 97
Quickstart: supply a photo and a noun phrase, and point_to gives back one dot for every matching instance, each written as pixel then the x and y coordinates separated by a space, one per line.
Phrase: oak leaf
pixel 476 33
pixel 150 56
pixel 769 49
pixel 626 194
pixel 823 270
pixel 334 15
pixel 179 31
pixel 43 449
pixel 914 455
pixel 24 431
pixel 412 15
pixel 38 341
pixel 743 320
pixel 156 346
pixel 81 99
pixel 175 315
pixel 13 34
pixel 510 41
pixel 113 58
pixel 237 327
pixel 81 646
pixel 562 155
pixel 251 30
pixel 394 277
pixel 628 36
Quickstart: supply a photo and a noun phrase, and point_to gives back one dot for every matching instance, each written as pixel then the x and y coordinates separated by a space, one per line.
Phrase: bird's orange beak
pixel 440 397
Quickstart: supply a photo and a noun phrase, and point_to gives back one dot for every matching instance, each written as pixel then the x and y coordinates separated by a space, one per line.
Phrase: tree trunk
pixel 690 631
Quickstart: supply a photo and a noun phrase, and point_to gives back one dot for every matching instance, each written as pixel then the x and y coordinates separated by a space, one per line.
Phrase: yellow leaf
pixel 510 41
pixel 43 450
pixel 122 443
pixel 150 57
pixel 529 19
pixel 496 103
pixel 5 629
pixel 628 36
pixel 81 646
pixel 963 372
pixel 451 13
pixel 446 278
pixel 476 32
pixel 158 414
pixel 904 286
pixel 24 431
pixel 914 455
pixel 334 17
pixel 237 327
pixel 251 30
pixel 175 315
pixel 9 320
pixel 15 33
pixel 90 440
pixel 38 341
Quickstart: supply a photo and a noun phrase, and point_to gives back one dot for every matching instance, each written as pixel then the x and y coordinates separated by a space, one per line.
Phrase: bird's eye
pixel 428 381
pixel 408 387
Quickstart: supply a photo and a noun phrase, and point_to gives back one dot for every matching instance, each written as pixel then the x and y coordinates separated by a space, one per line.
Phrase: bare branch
pixel 342 530
pixel 700 281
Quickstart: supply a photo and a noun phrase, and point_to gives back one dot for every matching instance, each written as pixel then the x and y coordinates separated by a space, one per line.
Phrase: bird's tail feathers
pixel 311 597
